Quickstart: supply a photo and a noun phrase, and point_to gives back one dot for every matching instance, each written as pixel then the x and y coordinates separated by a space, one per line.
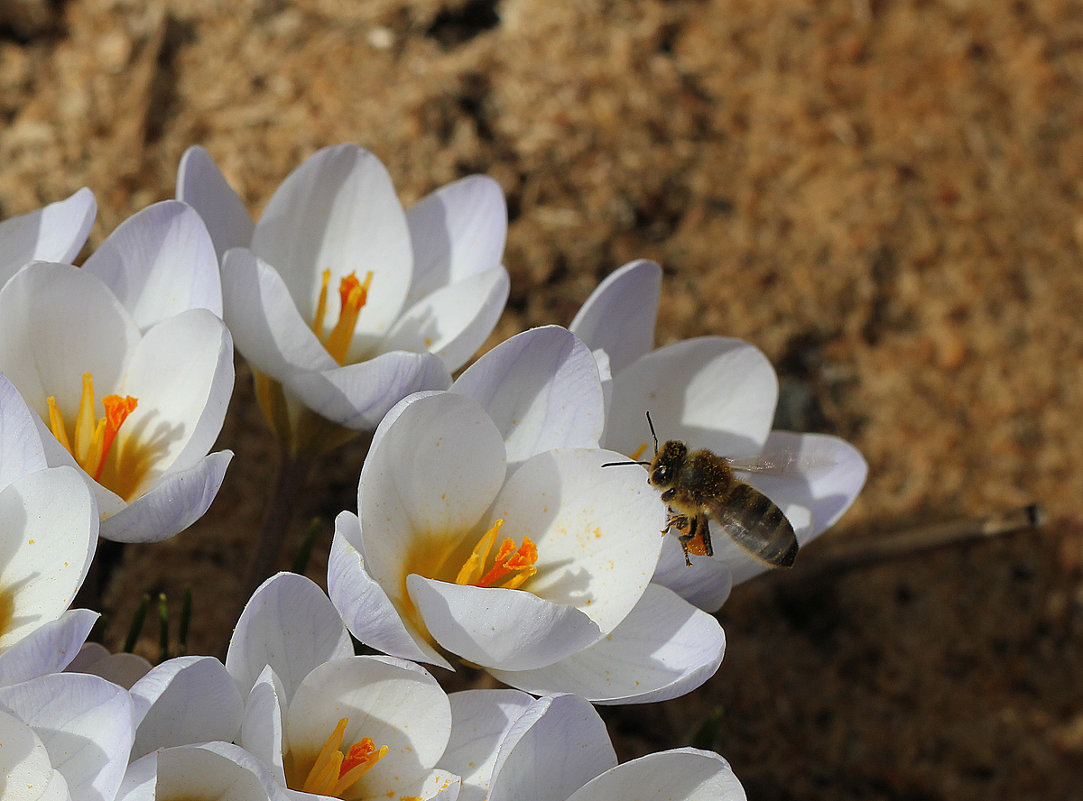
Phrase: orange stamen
pixel 93 437
pixel 334 772
pixel 510 559
pixel 637 454
pixel 353 295
pixel 117 410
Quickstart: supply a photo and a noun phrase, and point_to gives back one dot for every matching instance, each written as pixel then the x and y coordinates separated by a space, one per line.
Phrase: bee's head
pixel 667 463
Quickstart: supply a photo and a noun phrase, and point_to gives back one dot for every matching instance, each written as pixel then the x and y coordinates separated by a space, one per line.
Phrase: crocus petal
pixel 182 374
pixel 85 723
pixel 369 614
pixel 338 211
pixel 542 390
pixel 435 471
pixel 49 648
pixel 454 321
pixel 53 233
pixel 50 526
pixel 359 395
pixel 221 771
pixel 457 231
pixel 712 392
pixel 684 774
pixel 480 721
pixel 160 262
pixel 189 699
pixel 705 583
pixel 665 648
pixel 289 624
pixel 263 728
pixel 826 476
pixel 551 750
pixel 394 702
pixel 56 323
pixel 495 627
pixel 21 449
pixel 123 669
pixel 263 318
pixel 25 765
pixel 619 315
pixel 201 185
pixel 173 504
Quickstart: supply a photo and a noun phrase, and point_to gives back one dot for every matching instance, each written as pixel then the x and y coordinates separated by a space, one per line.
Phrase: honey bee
pixel 700 485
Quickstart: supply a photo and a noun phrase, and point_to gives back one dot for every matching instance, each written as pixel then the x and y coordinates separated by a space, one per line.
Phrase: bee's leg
pixel 688 533
pixel 675 520
pixel 708 548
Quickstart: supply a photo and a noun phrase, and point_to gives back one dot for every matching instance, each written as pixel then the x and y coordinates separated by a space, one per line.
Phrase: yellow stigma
pixel 93 436
pixel 637 454
pixel 334 772
pixel 511 563
pixel 353 295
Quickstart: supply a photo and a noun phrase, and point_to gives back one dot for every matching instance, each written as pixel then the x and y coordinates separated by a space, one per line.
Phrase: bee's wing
pixel 754 522
pixel 784 463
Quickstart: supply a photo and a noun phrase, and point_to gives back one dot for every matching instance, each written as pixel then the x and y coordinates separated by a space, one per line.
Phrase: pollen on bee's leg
pixel 334 772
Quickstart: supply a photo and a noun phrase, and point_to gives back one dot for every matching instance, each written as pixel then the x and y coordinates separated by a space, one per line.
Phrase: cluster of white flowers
pixel 490 528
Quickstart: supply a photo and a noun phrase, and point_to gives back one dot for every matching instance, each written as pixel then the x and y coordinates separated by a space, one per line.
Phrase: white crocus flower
pixel 326 722
pixel 55 232
pixel 715 393
pixel 50 532
pixel 357 727
pixel 66 341
pixel 70 724
pixel 507 745
pixel 214 771
pixel 537 572
pixel 418 291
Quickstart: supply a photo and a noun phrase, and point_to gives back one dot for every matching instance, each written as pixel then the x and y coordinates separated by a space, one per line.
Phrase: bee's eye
pixel 661 475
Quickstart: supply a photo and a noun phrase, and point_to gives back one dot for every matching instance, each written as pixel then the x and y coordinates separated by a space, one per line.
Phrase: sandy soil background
pixel 883 196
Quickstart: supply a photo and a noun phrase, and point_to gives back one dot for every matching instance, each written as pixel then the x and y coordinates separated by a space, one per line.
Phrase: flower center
pixel 353 295
pixel 93 436
pixel 334 772
pixel 511 567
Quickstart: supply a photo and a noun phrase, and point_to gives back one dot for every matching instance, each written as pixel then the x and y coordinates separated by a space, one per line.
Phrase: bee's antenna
pixel 653 435
pixel 613 464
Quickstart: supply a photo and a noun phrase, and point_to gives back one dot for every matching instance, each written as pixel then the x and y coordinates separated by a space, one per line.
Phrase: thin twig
pixel 846 555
